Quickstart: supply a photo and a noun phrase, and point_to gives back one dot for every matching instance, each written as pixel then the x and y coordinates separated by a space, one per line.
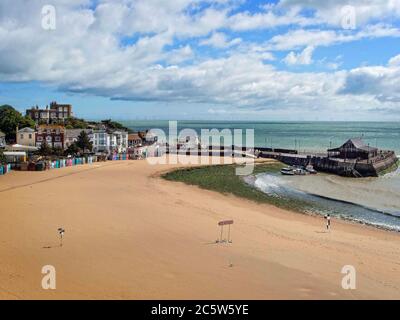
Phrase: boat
pixel 299 171
pixel 288 171
pixel 311 169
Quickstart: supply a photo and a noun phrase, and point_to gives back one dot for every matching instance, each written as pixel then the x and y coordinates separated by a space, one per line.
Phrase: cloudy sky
pixel 204 59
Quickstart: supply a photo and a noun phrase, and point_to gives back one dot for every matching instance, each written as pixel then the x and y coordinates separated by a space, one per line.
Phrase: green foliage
pixel 83 142
pixel 10 119
pixel 114 125
pixel 2 157
pixel 57 151
pixel 72 150
pixel 45 150
pixel 75 123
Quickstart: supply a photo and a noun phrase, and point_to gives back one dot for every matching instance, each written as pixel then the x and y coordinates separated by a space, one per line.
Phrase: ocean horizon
pixel 306 136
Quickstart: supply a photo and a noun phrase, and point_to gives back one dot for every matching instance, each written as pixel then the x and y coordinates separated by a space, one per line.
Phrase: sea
pixel 373 201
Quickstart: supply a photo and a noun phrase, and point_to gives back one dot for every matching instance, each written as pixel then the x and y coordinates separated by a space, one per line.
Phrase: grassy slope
pixel 222 178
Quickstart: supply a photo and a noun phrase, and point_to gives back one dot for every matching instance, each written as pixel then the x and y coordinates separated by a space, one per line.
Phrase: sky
pixel 204 59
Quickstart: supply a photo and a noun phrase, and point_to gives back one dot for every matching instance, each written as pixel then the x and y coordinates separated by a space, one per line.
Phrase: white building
pixel 105 141
pixel 26 137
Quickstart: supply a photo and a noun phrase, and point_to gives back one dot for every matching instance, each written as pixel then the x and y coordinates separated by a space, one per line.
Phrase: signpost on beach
pixel 222 224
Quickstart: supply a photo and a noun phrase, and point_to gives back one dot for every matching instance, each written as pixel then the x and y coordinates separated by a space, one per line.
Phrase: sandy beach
pixel 132 235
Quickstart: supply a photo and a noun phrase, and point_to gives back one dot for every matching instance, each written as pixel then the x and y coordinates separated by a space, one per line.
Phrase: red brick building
pixel 54 135
pixel 55 113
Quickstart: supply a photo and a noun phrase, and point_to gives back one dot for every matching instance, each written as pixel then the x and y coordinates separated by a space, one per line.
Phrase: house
pixel 147 137
pixel 26 137
pixel 2 139
pixel 134 139
pixel 138 152
pixel 108 141
pixel 53 114
pixel 71 135
pixel 53 134
pixel 118 141
pixel 353 149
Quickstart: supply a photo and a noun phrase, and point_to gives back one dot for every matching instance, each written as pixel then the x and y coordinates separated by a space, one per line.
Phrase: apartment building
pixel 54 135
pixel 54 113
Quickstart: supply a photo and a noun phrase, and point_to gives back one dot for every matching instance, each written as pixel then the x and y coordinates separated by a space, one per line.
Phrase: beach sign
pixel 61 232
pixel 225 222
pixel 222 224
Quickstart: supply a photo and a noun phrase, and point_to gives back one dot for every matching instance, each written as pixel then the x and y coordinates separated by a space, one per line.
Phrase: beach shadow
pixel 208 243
pixel 51 247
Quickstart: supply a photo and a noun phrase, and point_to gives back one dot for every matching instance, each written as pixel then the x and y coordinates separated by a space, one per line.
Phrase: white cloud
pixel 299 38
pixel 304 57
pixel 115 50
pixel 395 61
pixel 219 40
pixel 330 11
pixel 379 83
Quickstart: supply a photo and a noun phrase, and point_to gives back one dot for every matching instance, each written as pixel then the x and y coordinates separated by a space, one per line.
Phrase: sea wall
pixel 353 168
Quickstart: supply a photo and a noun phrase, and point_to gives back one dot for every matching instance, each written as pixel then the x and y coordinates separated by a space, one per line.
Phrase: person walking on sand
pixel 328 221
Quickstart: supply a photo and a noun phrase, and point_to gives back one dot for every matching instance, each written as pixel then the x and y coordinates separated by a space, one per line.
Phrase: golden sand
pixel 132 235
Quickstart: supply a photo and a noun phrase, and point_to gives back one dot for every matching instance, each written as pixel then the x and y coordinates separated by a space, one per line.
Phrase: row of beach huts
pixel 45 164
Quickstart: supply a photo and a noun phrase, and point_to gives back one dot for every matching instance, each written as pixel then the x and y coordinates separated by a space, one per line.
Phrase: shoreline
pixel 315 215
pixel 147 238
pixel 300 206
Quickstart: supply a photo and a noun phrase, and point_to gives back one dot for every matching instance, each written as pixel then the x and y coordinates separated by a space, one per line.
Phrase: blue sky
pixel 204 59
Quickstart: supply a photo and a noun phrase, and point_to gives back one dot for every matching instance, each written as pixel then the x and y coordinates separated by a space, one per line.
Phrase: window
pixel 57 139
pixel 39 138
pixel 21 136
pixel 30 136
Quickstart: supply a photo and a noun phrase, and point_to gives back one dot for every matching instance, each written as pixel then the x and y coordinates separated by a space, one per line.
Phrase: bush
pixel 10 119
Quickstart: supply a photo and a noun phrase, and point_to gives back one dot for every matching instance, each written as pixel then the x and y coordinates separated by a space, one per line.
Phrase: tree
pixel 113 125
pixel 58 151
pixel 10 119
pixel 83 142
pixel 2 157
pixel 45 150
pixel 72 150
pixel 75 123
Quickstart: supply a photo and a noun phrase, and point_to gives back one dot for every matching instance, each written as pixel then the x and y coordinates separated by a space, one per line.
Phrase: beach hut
pixel 353 149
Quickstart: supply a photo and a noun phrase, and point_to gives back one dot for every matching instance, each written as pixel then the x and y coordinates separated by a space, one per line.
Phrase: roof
pixel 74 133
pixel 51 126
pixel 27 130
pixel 2 134
pixel 134 136
pixel 356 143
pixel 14 153
pixel 19 147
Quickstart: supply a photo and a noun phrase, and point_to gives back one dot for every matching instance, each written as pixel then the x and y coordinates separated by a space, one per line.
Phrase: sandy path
pixel 130 234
